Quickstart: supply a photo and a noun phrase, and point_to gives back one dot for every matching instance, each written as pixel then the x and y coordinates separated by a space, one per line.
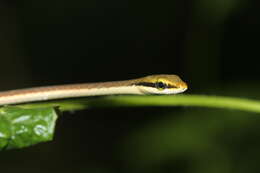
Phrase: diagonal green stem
pixel 166 100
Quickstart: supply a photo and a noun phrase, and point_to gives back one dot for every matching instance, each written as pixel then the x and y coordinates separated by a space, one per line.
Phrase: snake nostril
pixel 183 85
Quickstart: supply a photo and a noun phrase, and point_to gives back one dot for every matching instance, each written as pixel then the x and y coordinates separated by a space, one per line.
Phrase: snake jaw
pixel 150 90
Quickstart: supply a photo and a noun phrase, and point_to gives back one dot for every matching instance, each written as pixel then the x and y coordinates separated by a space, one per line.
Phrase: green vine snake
pixel 153 84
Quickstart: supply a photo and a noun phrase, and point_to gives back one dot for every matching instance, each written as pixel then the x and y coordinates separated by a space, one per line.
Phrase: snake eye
pixel 160 85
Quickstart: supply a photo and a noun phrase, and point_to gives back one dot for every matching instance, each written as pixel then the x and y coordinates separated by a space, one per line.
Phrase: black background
pixel 212 45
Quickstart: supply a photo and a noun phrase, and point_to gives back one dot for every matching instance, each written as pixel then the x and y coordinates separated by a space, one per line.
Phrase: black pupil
pixel 160 85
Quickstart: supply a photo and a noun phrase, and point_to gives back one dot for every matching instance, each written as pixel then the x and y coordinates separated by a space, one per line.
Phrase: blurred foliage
pixel 201 141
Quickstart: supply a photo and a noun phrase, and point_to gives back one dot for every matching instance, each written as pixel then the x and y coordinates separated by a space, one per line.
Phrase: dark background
pixel 212 44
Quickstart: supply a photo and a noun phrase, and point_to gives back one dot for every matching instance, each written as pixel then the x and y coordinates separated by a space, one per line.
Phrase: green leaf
pixel 20 127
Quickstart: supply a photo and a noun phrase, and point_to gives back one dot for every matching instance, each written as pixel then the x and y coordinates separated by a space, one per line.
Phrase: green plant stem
pixel 233 103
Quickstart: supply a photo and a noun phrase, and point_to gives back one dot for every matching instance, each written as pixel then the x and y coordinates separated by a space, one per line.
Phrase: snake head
pixel 161 84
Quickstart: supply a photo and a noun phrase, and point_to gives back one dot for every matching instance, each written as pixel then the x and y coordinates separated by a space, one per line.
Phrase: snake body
pixel 154 84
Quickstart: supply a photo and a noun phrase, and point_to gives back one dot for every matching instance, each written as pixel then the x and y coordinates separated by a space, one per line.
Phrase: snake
pixel 152 84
